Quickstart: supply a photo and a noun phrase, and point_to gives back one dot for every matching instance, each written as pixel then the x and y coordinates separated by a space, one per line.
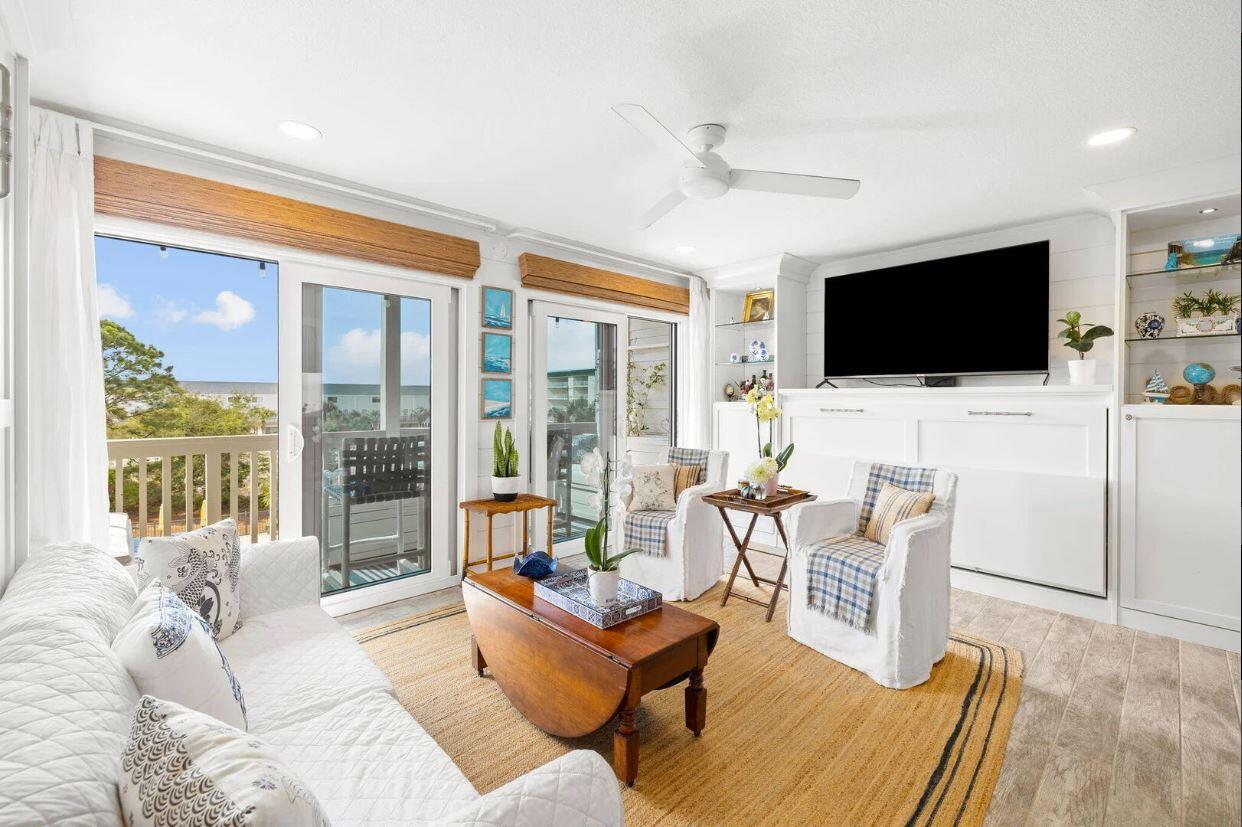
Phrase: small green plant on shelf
pixel 1211 303
pixel 1081 337
pixel 504 453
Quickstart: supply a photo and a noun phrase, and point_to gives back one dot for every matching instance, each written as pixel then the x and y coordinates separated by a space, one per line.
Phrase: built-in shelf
pixel 1206 339
pixel 746 364
pixel 1185 275
pixel 744 325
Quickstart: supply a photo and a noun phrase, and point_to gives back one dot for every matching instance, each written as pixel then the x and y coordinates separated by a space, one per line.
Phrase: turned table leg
pixel 625 747
pixel 696 703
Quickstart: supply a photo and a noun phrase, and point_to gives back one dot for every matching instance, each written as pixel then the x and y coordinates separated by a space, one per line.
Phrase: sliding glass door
pixel 370 432
pixel 578 396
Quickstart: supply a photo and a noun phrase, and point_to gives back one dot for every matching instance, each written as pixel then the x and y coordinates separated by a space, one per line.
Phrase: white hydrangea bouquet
pixel 764 473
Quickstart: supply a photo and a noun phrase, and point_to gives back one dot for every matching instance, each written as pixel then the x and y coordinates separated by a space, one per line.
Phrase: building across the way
pixel 344 396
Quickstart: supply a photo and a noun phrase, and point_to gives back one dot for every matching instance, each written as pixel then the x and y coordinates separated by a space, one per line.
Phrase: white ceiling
pixel 957 117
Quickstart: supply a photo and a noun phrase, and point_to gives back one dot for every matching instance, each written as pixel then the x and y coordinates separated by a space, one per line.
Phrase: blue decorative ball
pixel 1199 373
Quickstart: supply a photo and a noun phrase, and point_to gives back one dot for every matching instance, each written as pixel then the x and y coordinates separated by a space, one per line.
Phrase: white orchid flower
pixel 596 501
pixel 625 469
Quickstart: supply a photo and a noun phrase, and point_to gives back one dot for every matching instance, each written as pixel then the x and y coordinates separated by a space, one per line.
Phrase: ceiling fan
pixel 704 174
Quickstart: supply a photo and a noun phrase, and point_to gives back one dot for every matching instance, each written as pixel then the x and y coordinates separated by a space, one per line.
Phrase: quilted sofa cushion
pixel 71 580
pixel 65 705
pixel 369 762
pixel 297 664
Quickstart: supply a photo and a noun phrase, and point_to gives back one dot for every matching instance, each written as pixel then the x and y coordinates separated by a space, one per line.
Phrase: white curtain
pixel 67 451
pixel 695 377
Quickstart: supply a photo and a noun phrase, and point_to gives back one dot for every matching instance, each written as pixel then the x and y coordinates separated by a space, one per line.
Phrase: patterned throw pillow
pixel 892 506
pixel 169 652
pixel 685 476
pixel 653 488
pixel 203 567
pixel 180 767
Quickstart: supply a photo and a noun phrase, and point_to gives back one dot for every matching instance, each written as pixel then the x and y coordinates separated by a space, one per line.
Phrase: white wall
pixel 1081 266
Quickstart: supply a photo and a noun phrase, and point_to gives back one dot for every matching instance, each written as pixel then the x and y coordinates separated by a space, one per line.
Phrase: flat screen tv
pixel 978 313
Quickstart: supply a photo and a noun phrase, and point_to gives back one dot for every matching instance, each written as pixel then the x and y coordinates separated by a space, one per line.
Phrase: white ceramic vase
pixel 1081 371
pixel 505 489
pixel 604 585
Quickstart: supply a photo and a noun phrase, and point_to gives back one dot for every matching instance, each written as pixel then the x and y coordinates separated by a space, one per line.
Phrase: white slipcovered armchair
pixel 693 560
pixel 907 630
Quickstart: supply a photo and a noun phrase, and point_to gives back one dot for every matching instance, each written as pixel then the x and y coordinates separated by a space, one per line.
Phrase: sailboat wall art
pixel 497 308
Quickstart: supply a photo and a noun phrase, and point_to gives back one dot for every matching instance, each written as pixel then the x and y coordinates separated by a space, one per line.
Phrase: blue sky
pixel 215 317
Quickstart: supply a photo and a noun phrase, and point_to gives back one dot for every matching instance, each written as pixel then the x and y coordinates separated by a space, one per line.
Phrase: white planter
pixel 1081 371
pixel 505 489
pixel 1207 326
pixel 604 585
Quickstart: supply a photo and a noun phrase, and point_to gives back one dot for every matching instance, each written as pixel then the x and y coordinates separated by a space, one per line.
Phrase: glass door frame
pixel 293 275
pixel 540 312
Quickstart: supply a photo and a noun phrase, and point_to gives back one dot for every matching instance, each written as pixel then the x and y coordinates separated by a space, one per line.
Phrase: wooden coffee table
pixel 568 677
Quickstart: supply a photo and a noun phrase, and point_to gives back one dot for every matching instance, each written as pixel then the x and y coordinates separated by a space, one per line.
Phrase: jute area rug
pixel 792 737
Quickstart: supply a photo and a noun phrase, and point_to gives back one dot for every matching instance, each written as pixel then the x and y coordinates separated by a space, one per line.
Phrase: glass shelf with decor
pixel 1207 338
pixel 1186 275
pixel 745 325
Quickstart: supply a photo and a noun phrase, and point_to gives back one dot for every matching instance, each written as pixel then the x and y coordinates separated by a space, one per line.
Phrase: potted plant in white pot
pixel 505 479
pixel 1218 313
pixel 1081 338
pixel 603 573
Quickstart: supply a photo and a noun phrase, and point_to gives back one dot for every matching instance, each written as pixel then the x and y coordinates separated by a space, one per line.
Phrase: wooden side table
pixel 769 507
pixel 491 507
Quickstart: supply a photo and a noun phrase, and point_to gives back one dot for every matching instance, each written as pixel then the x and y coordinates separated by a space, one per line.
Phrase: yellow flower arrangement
pixel 764 407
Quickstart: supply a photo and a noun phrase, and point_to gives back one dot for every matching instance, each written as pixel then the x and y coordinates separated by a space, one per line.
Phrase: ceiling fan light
pixel 1111 136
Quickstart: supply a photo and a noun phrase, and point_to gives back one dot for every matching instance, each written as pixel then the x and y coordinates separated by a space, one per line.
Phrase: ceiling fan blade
pixel 662 208
pixel 790 184
pixel 654 131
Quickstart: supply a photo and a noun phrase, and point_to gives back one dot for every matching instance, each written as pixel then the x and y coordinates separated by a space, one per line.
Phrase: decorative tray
pixel 570 592
pixel 784 496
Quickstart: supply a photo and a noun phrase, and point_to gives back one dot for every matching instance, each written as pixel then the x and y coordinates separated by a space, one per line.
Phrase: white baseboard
pixel 1180 629
pixel 1045 597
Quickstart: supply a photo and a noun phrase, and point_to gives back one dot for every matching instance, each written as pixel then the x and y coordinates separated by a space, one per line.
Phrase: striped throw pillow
pixel 684 477
pixel 891 507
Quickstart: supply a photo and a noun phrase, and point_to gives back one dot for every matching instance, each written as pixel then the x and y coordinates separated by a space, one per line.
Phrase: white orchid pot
pixel 604 585
pixel 505 489
pixel 1081 371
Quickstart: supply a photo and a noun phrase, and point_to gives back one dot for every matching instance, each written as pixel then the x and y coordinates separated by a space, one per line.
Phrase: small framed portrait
pixel 496 400
pixel 497 308
pixel 760 306
pixel 497 353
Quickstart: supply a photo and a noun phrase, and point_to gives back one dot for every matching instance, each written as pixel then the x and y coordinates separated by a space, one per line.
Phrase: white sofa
pixel 313 695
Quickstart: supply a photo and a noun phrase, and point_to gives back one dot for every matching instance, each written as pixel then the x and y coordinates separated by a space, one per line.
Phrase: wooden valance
pixel 150 194
pixel 546 273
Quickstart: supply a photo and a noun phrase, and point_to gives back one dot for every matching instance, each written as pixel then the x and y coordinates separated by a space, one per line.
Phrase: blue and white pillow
pixel 169 651
pixel 203 567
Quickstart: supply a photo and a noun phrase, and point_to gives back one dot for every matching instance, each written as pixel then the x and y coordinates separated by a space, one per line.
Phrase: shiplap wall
pixel 1147 250
pixel 1081 267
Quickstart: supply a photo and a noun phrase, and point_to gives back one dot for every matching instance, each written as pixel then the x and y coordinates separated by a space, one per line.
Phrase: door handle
pixel 294 443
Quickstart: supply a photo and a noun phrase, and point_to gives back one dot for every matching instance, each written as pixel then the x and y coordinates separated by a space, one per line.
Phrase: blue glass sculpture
pixel 536 565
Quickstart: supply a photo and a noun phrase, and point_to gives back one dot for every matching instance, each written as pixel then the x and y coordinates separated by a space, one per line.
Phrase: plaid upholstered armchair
pixel 882 609
pixel 682 554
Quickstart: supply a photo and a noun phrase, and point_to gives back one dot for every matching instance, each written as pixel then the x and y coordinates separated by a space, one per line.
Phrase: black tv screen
pixel 978 313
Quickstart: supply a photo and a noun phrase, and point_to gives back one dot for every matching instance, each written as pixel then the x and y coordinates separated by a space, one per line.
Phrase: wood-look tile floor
pixel 1115 726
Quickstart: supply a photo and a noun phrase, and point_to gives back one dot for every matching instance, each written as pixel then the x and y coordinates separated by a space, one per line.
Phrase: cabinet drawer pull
pixel 840 410
pixel 1000 413
pixel 1129 417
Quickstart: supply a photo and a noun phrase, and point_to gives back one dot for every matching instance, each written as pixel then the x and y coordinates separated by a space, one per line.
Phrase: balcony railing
pixel 201 480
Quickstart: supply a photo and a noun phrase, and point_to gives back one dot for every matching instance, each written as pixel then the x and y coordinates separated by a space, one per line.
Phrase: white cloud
pixel 112 305
pixel 169 312
pixel 355 358
pixel 232 311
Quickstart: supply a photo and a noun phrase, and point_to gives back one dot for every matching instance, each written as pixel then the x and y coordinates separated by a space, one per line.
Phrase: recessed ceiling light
pixel 1207 211
pixel 684 248
pixel 1111 136
pixel 299 130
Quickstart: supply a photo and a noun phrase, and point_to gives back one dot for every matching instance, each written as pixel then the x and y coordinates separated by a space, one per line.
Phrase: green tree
pixel 135 376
